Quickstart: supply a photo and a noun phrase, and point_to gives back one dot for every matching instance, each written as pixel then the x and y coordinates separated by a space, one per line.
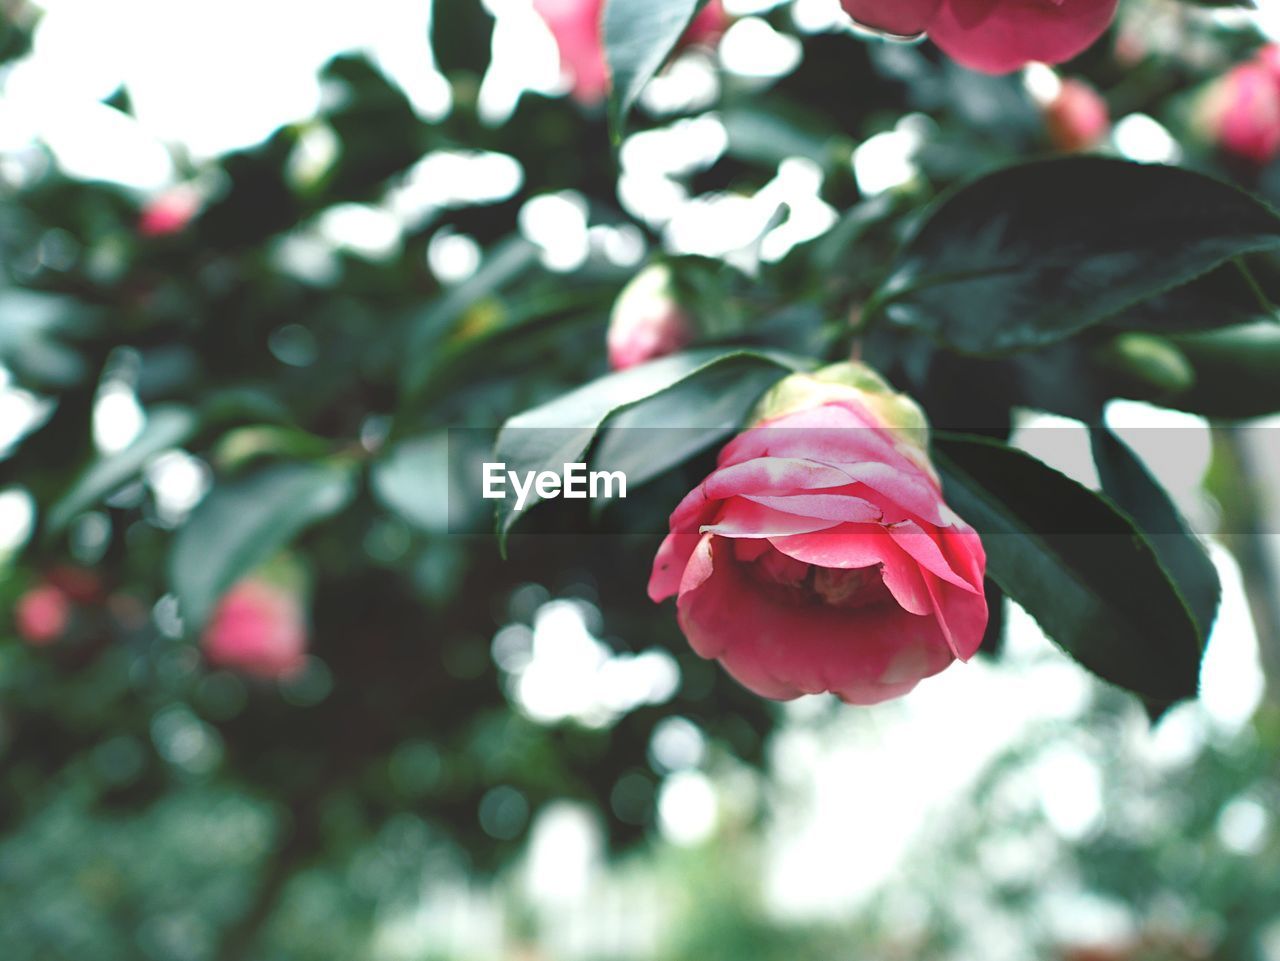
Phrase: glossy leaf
pixel 167 427
pixel 561 431
pixel 1032 254
pixel 665 430
pixel 1126 481
pixel 639 35
pixel 1235 371
pixel 239 525
pixel 1077 564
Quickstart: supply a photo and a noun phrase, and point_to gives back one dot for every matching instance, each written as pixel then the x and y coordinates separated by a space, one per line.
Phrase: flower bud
pixel 1152 362
pixel 42 615
pixel 647 321
pixel 169 213
pixel 1242 113
pixel 1077 118
pixel 257 629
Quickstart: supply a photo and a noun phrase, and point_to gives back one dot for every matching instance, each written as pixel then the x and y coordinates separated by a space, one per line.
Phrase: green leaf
pixel 639 35
pixel 560 432
pixel 506 262
pixel 412 479
pixel 1077 564
pixel 1236 372
pixel 1226 297
pixel 658 433
pixel 240 525
pixel 1126 481
pixel 166 427
pixel 36 335
pixel 1032 254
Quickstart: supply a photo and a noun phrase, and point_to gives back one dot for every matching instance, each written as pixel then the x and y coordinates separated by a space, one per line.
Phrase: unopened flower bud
pixel 647 321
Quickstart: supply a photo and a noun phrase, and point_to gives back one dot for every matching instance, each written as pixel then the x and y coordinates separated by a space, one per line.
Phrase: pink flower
pixel 576 25
pixel 1077 118
pixel 42 615
pixel 994 36
pixel 1243 112
pixel 647 322
pixel 708 26
pixel 257 629
pixel 819 555
pixel 169 213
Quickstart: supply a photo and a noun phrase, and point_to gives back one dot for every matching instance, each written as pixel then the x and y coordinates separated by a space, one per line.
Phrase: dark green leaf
pixel 639 35
pixel 1077 564
pixel 412 479
pixel 1032 254
pixel 241 524
pixel 649 438
pixel 1237 371
pixel 561 431
pixel 1126 481
pixel 1224 298
pixel 506 262
pixel 166 427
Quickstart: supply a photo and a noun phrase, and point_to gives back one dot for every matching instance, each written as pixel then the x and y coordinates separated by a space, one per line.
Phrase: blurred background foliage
pixel 244 355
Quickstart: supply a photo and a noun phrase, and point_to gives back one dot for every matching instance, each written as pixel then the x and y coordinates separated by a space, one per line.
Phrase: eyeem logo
pixel 575 482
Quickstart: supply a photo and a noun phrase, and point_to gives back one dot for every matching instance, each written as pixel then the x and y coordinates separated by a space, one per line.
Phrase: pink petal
pixel 669 564
pixel 771 475
pixel 901 18
pixel 864 656
pixel 856 546
pixel 744 518
pixel 961 615
pixel 1001 36
pixel 834 507
pixel 922 547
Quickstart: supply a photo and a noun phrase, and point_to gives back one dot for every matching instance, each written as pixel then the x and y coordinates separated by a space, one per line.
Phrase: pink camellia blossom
pixel 647 321
pixel 819 555
pixel 42 615
pixel 1269 58
pixel 169 213
pixel 1243 112
pixel 994 36
pixel 1077 118
pixel 577 27
pixel 258 629
pixel 708 26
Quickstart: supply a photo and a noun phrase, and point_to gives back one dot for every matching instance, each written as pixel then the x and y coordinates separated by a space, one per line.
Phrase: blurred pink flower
pixel 258 629
pixel 819 555
pixel 168 213
pixel 1243 111
pixel 647 321
pixel 994 36
pixel 42 614
pixel 576 25
pixel 1077 118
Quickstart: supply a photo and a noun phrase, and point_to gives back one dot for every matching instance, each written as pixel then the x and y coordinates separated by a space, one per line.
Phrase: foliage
pixel 330 397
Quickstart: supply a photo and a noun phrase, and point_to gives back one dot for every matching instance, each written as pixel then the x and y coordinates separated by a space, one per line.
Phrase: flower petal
pixel 745 518
pixel 1006 35
pixel 778 651
pixel 922 547
pixel 901 18
pixel 834 507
